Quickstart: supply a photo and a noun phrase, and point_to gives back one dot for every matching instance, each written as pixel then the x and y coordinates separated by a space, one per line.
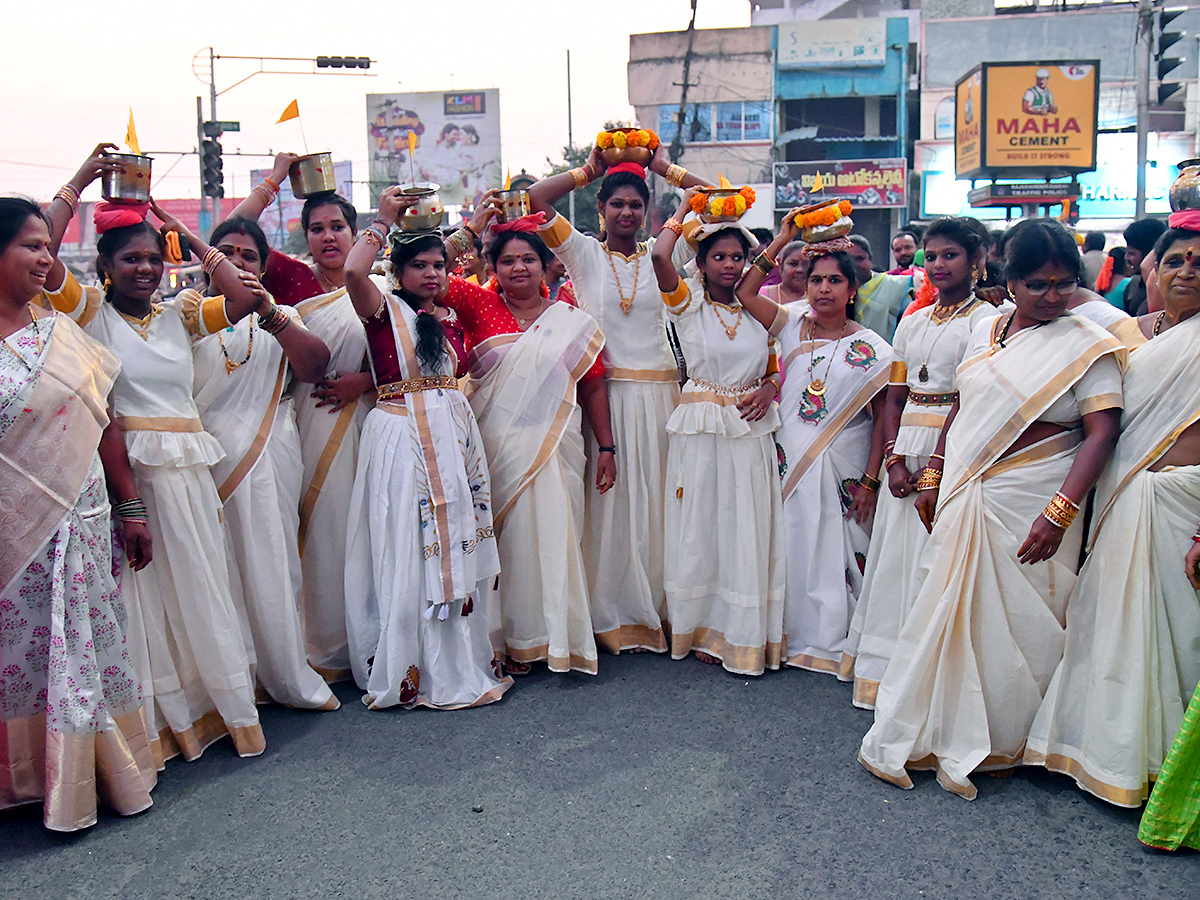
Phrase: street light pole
pixel 205 218
pixel 1145 23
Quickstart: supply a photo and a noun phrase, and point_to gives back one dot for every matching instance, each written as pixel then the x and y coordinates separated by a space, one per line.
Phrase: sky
pixel 71 84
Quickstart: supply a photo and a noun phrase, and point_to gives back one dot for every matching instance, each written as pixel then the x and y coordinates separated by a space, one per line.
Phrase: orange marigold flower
pixel 652 143
pixel 845 207
pixel 748 194
pixel 729 206
pixel 634 138
pixel 604 140
pixel 698 202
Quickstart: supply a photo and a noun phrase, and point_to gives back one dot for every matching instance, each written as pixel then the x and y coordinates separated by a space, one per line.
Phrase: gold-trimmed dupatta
pixel 46 452
pixel 1015 384
pixel 523 390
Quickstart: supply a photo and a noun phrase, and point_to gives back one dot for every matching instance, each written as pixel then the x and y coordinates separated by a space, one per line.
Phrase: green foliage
pixel 587 217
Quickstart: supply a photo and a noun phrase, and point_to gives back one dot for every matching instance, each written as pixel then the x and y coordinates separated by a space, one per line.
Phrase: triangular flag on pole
pixel 507 179
pixel 131 140
pixel 412 141
pixel 292 112
pixel 722 181
pixel 818 184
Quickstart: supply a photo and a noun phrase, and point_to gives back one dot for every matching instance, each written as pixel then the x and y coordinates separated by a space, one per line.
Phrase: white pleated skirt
pixel 185 636
pixel 623 528
pixel 724 550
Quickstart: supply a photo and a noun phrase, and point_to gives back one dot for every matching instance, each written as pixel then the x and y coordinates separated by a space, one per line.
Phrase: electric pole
pixel 1145 23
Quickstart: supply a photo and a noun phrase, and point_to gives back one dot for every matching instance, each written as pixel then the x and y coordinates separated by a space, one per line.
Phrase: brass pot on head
pixel 311 175
pixel 427 213
pixel 132 183
pixel 1185 192
pixel 513 204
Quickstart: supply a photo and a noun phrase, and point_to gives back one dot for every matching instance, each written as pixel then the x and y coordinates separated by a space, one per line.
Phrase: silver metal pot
pixel 427 213
pixel 513 204
pixel 132 183
pixel 312 174
pixel 1185 192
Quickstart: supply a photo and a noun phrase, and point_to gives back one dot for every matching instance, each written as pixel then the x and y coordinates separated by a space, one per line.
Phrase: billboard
pixel 457 136
pixel 866 183
pixel 1034 119
pixel 841 43
pixel 281 219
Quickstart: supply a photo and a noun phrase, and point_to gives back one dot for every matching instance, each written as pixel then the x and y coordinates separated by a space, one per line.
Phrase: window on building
pixel 721 122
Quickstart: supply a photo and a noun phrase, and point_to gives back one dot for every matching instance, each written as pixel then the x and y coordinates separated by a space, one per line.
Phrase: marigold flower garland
pixel 723 206
pixel 825 216
pixel 634 137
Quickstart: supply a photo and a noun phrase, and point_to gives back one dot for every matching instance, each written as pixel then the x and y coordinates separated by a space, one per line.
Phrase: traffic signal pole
pixel 1145 22
pixel 205 215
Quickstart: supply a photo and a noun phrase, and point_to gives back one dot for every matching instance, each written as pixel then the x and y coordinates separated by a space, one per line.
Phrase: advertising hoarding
pixel 1034 119
pixel 457 137
pixel 841 43
pixel 281 219
pixel 866 183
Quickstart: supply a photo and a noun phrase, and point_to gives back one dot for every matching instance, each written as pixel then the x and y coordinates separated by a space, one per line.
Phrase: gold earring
pixel 107 282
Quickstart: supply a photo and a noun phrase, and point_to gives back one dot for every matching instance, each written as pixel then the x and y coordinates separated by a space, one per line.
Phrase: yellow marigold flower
pixel 619 140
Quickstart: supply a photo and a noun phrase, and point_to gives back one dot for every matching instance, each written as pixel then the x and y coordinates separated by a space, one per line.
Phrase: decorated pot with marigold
pixel 721 204
pixel 825 221
pixel 636 145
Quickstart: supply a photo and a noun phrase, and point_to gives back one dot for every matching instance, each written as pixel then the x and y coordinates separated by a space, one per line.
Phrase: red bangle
pixel 474 233
pixel 271 183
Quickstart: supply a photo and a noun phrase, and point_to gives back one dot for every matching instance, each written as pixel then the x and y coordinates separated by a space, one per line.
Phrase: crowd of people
pixel 969 485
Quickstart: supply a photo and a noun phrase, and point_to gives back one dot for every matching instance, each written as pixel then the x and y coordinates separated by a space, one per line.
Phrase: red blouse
pixel 289 280
pixel 382 341
pixel 484 314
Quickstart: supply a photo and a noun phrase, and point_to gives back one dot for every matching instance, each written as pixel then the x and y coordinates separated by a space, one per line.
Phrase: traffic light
pixel 211 169
pixel 343 62
pixel 1163 41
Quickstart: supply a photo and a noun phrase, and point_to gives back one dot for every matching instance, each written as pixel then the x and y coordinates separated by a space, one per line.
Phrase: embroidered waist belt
pixel 412 385
pixel 726 390
pixel 932 399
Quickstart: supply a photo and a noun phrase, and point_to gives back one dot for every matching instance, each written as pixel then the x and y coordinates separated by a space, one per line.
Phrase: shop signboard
pixel 867 183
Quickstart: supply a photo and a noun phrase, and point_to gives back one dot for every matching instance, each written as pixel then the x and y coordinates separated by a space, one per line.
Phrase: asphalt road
pixel 656 779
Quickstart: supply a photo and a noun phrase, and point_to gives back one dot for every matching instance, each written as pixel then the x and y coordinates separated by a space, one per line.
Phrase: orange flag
pixel 818 183
pixel 412 140
pixel 292 112
pixel 131 140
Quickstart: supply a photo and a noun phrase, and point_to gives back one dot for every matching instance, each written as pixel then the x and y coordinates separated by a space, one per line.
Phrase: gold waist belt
pixel 727 390
pixel 421 383
pixel 932 399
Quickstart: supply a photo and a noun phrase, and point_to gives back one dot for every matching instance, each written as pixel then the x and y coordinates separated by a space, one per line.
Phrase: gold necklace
pixel 523 321
pixel 329 286
pixel 816 386
pixel 142 325
pixel 626 302
pixel 730 330
pixel 961 310
pixel 230 365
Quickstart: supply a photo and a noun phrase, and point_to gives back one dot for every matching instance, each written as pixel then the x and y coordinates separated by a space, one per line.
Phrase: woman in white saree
pixel 329 412
pixel 241 374
pixel 535 369
pixel 1038 412
pixel 421 546
pixel 831 446
pixel 1131 665
pixel 928 346
pixel 72 724
pixel 724 562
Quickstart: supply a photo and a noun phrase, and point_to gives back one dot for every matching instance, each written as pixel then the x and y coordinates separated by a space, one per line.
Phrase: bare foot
pixel 707 658
pixel 513 667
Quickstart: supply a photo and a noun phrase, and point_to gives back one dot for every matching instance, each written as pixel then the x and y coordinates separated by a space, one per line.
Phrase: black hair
pixel 764 235
pixel 1142 233
pixel 1118 258
pixel 1033 243
pixel 968 233
pixel 1094 240
pixel 709 242
pixel 849 269
pixel 1170 236
pixel 789 249
pixel 327 198
pixel 616 180
pixel 995 237
pixel 431 346
pixel 504 238
pixel 115 239
pixel 247 227
pixel 860 241
pixel 904 232
pixel 14 213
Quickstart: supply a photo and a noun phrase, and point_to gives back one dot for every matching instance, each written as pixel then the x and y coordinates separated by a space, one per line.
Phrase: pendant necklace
pixel 730 330
pixel 37 336
pixel 626 302
pixel 142 325
pixel 816 386
pixel 230 365
pixel 963 309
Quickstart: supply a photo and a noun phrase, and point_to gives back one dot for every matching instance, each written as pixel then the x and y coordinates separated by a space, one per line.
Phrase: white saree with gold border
pixel 421 553
pixel 329 446
pixel 824 442
pixel 72 725
pixel 258 482
pixel 985 632
pixel 1132 657
pixel 523 391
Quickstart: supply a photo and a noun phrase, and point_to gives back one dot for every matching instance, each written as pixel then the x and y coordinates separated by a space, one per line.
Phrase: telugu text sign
pixel 869 183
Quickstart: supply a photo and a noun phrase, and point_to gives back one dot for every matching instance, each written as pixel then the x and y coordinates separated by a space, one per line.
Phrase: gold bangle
pixel 1061 511
pixel 892 460
pixel 580 176
pixel 673 224
pixel 763 263
pixel 675 175
pixel 930 479
pixel 212 259
pixel 871 484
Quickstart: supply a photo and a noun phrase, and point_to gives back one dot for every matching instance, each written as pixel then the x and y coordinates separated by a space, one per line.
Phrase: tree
pixel 587 218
